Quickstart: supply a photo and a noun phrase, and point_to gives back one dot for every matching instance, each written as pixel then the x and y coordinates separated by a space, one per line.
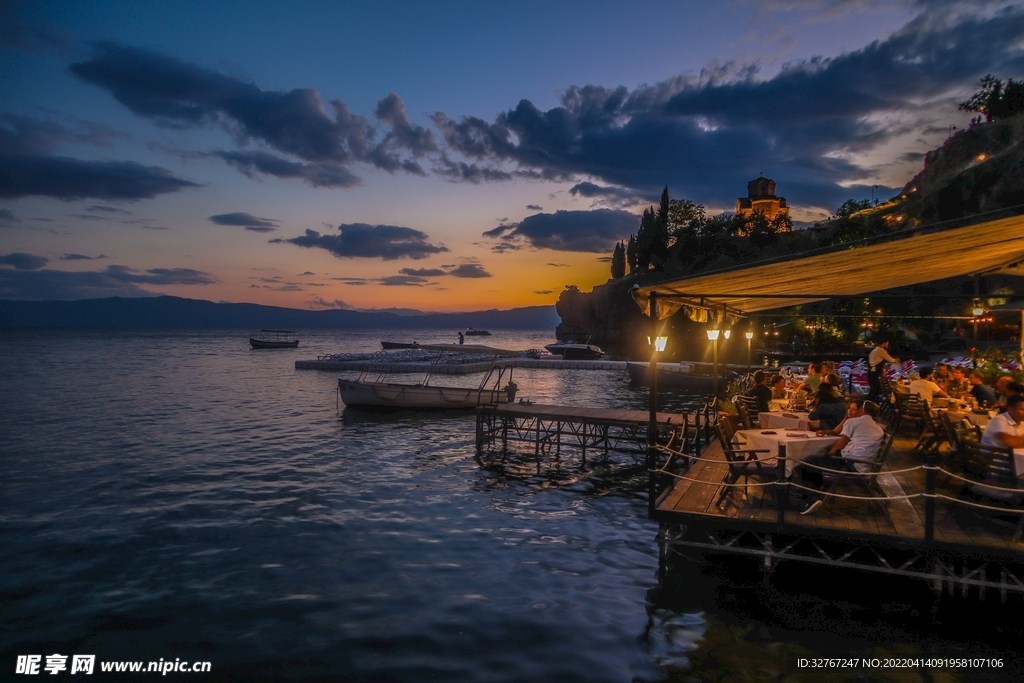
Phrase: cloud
pixel 82 257
pixel 558 265
pixel 403 281
pixel 469 270
pixel 246 220
pixel 534 207
pixel 423 272
pixel 359 240
pixel 811 126
pixel 7 217
pixel 108 209
pixel 67 178
pixel 591 231
pixel 317 302
pixel 296 122
pixel 543 291
pixel 43 285
pixel 22 261
pixel 159 276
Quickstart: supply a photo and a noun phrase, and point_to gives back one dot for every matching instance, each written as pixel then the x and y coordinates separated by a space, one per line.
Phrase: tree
pixel 618 261
pixel 645 237
pixel 659 233
pixel 631 259
pixel 995 100
pixel 852 206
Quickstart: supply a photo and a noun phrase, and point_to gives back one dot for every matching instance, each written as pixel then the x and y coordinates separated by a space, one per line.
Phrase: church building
pixel 761 197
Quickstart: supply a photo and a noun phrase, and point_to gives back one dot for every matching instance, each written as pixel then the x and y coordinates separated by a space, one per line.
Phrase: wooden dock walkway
pixel 384 365
pixel 970 548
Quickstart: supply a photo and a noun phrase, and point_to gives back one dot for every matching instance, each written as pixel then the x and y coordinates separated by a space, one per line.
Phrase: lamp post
pixel 657 344
pixel 977 311
pixel 749 334
pixel 713 336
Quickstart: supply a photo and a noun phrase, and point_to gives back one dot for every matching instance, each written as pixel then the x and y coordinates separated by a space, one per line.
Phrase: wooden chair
pixel 992 480
pixel 745 417
pixel 909 409
pixel 933 435
pixel 742 462
pixel 868 480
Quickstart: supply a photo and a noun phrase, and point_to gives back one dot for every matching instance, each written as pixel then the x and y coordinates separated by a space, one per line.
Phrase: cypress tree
pixel 619 261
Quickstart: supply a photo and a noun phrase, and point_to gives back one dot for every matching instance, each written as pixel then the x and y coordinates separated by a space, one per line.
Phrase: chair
pixel 992 476
pixel 933 435
pixel 745 417
pixel 742 462
pixel 910 411
pixel 868 479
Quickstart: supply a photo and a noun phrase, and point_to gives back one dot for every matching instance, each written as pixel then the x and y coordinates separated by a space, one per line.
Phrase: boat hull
pixel 263 344
pixel 667 379
pixel 386 345
pixel 575 351
pixel 384 395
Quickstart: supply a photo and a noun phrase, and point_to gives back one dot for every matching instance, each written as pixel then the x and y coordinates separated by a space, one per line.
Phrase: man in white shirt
pixel 1007 429
pixel 926 388
pixel 877 359
pixel 859 440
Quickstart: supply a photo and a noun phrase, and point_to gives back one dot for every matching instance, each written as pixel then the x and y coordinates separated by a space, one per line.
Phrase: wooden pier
pixel 545 431
pixel 919 529
pixel 384 365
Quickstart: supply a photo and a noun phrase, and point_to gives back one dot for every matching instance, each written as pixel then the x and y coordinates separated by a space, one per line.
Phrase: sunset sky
pixel 444 156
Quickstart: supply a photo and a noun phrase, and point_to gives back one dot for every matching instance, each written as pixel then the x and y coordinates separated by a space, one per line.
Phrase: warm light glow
pixel 978 312
pixel 713 335
pixel 981 157
pixel 727 333
pixel 749 335
pixel 659 343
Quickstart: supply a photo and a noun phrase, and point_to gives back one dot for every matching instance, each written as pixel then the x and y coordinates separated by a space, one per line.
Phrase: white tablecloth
pixel 782 421
pixel 798 448
pixel 974 418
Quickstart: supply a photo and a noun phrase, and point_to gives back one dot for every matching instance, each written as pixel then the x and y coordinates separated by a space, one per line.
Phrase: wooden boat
pixel 380 394
pixel 273 339
pixel 386 345
pixel 470 332
pixel 674 379
pixel 574 351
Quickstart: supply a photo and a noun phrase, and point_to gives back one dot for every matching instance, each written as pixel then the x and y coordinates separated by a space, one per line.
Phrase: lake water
pixel 174 495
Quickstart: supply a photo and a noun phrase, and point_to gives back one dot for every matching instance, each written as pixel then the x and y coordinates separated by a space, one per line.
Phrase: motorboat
pixel 380 394
pixel 387 346
pixel 573 351
pixel 470 332
pixel 676 378
pixel 273 339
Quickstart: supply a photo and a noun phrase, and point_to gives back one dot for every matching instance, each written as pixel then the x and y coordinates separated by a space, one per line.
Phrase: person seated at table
pixel 859 439
pixel 982 393
pixel 1006 430
pixel 835 382
pixel 925 387
pixel 761 392
pixel 957 385
pixel 942 376
pixel 1005 388
pixel 778 386
pixel 829 409
pixel 813 379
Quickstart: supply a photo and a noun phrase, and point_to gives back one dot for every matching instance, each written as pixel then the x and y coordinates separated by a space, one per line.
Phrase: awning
pixel 995 246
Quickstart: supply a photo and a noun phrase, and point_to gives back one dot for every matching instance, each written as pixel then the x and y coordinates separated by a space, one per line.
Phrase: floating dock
pixel 383 365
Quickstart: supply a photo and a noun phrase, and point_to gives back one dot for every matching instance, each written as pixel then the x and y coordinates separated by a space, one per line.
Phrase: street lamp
pixel 713 337
pixel 749 334
pixel 978 311
pixel 660 341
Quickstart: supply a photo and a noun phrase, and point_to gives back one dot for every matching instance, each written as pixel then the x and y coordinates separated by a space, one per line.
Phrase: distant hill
pixel 172 311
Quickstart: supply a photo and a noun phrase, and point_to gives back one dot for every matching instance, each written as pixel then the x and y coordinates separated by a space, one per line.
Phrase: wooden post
pixel 652 426
pixel 929 502
pixel 782 485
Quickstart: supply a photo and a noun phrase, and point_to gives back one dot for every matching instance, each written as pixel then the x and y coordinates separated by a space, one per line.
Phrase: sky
pixel 445 156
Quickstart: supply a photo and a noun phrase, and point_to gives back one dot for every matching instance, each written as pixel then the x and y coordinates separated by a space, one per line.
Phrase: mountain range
pixel 172 311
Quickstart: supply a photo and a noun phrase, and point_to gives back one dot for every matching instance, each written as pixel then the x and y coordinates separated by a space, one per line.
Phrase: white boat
pixel 573 351
pixel 379 394
pixel 273 339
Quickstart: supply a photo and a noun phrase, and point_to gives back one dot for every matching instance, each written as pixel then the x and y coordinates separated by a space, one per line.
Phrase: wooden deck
pixel 632 418
pixel 899 522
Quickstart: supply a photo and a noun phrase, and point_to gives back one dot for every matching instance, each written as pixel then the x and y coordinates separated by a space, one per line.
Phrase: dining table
pixel 800 445
pixel 979 419
pixel 785 420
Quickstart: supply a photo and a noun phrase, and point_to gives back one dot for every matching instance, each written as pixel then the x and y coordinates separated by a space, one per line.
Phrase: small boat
pixel 674 379
pixel 386 345
pixel 573 351
pixel 379 394
pixel 273 339
pixel 470 332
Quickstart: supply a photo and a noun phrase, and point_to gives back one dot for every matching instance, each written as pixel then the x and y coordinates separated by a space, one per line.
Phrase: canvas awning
pixel 994 246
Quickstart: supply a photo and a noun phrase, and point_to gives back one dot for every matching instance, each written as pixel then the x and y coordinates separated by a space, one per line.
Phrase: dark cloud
pixel 67 178
pixel 534 207
pixel 8 217
pixel 592 231
pixel 469 270
pixel 296 122
pixel 108 209
pixel 159 276
pixel 403 281
pixel 359 240
pixel 706 135
pixel 352 280
pixel 423 272
pixel 558 265
pixel 245 220
pixel 82 257
pixel 29 136
pixel 33 37
pixel 317 175
pixel 22 261
pixel 308 272
pixel 318 302
pixel 616 196
pixel 543 291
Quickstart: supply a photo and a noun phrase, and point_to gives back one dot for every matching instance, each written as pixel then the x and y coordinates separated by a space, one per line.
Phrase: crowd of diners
pixel 854 418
